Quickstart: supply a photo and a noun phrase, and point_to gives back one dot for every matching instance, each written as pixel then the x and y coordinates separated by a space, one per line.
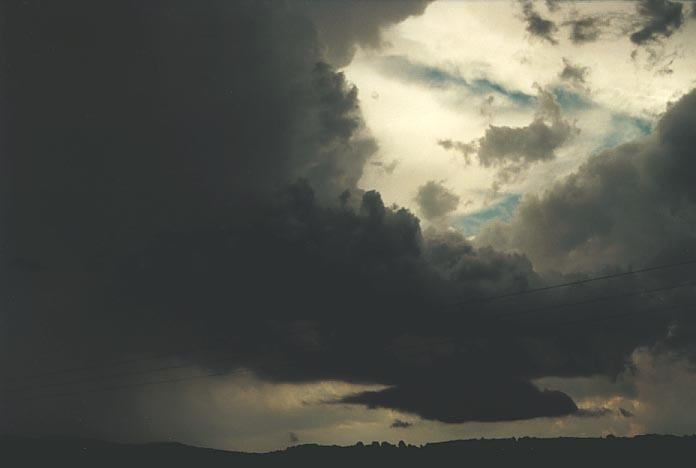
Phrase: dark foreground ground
pixel 648 450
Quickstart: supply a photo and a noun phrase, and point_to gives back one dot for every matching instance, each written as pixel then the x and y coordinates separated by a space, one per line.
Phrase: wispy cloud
pixel 406 70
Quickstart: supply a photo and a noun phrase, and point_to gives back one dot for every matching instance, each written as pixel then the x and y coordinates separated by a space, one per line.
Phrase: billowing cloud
pixel 536 142
pixel 435 200
pixel 512 149
pixel 625 205
pixel 344 25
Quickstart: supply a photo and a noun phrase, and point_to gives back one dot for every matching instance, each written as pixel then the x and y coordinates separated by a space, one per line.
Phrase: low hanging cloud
pixel 456 402
pixel 537 25
pixel 660 19
pixel 436 201
pixel 512 149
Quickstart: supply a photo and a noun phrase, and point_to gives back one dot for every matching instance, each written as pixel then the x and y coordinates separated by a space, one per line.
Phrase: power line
pixel 217 347
pixel 570 283
pixel 642 292
pixel 142 384
pixel 71 370
pixel 122 374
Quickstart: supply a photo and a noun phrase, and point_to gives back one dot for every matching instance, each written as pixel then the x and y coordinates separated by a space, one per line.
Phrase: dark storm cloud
pixel 132 129
pixel 460 402
pixel 625 205
pixel 435 200
pixel 573 73
pixel 165 193
pixel 660 19
pixel 537 25
pixel 512 149
pixel 344 25
pixel 162 206
pixel 144 135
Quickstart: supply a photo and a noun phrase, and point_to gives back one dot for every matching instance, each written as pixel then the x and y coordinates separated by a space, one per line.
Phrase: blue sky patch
pixel 470 224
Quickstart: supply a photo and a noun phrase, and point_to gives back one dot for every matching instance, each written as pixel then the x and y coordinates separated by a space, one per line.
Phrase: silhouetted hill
pixel 649 450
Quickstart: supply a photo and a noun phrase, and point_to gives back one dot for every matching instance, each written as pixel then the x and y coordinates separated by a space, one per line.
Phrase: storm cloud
pixel 342 26
pixel 499 401
pixel 625 205
pixel 201 205
pixel 193 194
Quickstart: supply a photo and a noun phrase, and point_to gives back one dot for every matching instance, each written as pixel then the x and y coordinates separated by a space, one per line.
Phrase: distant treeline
pixel 648 450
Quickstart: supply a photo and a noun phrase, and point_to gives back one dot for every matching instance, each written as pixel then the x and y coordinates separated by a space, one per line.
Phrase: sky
pixel 249 225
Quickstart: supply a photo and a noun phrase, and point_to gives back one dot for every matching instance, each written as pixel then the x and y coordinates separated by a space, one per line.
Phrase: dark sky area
pixel 180 180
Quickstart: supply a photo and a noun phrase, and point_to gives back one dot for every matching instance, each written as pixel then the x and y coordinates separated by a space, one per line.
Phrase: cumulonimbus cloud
pixel 198 187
